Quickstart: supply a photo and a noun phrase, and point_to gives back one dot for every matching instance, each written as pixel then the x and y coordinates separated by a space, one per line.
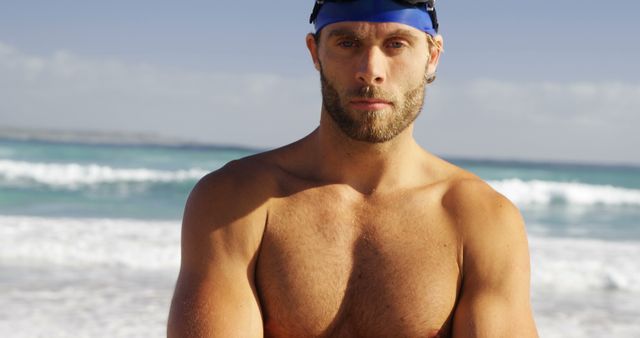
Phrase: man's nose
pixel 371 67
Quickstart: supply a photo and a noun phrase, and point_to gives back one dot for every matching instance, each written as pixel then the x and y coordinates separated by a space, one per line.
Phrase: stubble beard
pixel 373 126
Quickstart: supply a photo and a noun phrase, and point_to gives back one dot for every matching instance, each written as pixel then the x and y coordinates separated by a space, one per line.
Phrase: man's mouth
pixel 369 104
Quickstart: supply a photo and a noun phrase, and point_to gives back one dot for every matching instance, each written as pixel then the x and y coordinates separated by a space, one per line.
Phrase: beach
pixel 90 233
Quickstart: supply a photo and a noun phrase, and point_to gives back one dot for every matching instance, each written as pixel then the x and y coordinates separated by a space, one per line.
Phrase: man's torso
pixel 337 263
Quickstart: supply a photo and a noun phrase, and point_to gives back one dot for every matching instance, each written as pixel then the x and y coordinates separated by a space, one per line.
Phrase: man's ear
pixel 434 54
pixel 313 50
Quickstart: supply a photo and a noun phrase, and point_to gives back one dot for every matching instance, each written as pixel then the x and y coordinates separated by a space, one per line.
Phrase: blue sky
pixel 517 80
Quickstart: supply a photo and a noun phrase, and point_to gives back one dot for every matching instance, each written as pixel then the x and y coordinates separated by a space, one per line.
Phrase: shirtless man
pixel 355 230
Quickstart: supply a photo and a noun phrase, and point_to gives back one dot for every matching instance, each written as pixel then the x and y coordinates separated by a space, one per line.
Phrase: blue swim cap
pixel 375 11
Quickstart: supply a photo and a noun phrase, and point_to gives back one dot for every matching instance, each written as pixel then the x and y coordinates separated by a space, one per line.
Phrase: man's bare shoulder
pixel 253 180
pixel 469 196
pixel 240 190
pixel 479 211
pixel 248 177
pixel 490 225
pixel 227 210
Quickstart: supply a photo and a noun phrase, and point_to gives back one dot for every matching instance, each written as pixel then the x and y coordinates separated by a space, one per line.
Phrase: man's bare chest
pixel 338 268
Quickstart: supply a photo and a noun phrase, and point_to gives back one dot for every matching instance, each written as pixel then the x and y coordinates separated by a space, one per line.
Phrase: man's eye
pixel 347 43
pixel 396 44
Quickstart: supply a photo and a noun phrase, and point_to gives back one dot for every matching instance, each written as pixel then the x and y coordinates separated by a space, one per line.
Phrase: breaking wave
pixel 73 175
pixel 538 192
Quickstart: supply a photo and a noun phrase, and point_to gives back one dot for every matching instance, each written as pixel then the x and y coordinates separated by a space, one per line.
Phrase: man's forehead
pixel 370 29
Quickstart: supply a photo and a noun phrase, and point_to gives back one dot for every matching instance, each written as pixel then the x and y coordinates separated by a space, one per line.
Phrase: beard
pixel 373 126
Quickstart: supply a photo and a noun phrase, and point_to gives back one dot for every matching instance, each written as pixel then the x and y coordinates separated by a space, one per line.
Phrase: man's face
pixel 373 77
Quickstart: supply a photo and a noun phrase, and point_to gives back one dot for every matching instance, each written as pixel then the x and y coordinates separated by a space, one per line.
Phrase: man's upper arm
pixel 495 295
pixel 215 293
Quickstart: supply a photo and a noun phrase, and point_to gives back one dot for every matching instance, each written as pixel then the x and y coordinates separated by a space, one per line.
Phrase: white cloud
pixel 579 102
pixel 65 91
pixel 560 121
pixel 481 117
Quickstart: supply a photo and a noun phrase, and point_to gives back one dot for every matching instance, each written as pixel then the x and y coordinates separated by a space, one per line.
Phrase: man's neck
pixel 367 167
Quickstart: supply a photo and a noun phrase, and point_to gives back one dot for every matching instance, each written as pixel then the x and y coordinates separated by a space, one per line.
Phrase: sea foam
pixel 570 265
pixel 558 264
pixel 79 242
pixel 73 175
pixel 536 192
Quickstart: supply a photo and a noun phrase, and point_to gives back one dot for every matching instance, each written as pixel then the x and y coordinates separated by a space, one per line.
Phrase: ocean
pixel 89 237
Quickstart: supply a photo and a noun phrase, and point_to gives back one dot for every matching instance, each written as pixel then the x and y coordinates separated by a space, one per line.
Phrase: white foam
pixel 575 265
pixel 584 265
pixel 90 242
pixel 88 302
pixel 72 175
pixel 63 273
pixel 536 192
pixel 596 314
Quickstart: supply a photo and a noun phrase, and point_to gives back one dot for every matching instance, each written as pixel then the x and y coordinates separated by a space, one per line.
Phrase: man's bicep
pixel 493 314
pixel 214 306
pixel 495 295
pixel 215 293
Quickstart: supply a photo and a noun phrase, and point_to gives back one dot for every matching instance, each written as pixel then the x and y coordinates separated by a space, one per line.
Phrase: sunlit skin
pixel 354 230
